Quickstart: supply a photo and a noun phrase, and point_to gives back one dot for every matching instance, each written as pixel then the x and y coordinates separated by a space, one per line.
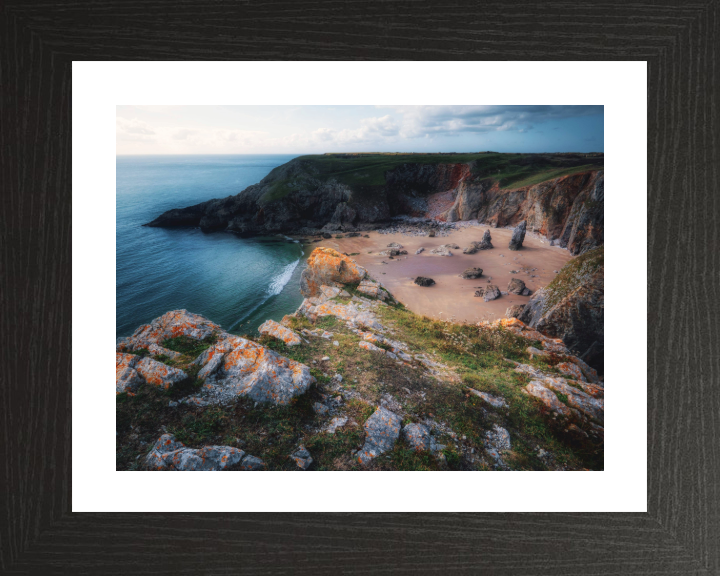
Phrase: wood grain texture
pixel 681 532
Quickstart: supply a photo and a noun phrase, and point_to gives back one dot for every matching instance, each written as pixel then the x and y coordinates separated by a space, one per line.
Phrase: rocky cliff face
pixel 569 210
pixel 299 197
pixel 572 307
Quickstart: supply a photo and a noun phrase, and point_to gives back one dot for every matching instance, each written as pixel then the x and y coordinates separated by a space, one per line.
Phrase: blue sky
pixel 319 129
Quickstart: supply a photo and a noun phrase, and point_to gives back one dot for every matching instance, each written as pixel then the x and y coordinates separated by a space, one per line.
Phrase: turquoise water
pixel 236 282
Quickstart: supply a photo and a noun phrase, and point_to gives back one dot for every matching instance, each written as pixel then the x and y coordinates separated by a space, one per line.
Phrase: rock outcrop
pixel 327 267
pixel 275 330
pixel 236 367
pixel 382 430
pixel 231 367
pixel 172 324
pixel 169 454
pixel 518 236
pixel 572 307
pixel 131 371
pixel 490 292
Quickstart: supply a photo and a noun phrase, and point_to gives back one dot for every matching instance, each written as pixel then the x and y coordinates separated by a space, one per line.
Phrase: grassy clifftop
pixel 509 170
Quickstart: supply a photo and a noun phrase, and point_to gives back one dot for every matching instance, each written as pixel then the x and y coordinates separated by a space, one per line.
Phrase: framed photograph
pixel 378 284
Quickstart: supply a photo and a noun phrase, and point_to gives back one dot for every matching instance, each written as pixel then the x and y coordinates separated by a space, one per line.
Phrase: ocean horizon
pixel 235 282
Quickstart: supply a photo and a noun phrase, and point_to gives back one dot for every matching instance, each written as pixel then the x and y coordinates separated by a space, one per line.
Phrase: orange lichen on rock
pixel 237 367
pixel 272 328
pixel 327 267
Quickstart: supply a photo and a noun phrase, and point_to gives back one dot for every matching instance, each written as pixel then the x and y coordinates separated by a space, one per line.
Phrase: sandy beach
pixel 452 297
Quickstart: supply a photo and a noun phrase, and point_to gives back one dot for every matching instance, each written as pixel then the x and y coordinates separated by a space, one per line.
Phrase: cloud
pixel 183 133
pixel 133 130
pixel 418 121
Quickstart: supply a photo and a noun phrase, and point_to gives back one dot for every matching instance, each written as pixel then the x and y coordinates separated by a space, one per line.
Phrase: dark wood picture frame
pixel 680 533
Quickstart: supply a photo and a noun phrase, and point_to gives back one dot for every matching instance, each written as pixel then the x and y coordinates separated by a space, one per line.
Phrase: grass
pixel 365 173
pixel 475 356
pixel 573 275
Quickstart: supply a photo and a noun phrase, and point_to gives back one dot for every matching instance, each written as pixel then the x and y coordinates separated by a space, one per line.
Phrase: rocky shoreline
pixel 304 198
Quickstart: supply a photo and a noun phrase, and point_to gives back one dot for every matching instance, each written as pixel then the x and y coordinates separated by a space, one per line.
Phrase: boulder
pixel 517 286
pixel 126 377
pixel 472 273
pixel 169 454
pixel 423 281
pixel 431 234
pixel 491 292
pixel 235 367
pixel 441 251
pixel 498 438
pixel 327 266
pixel 419 250
pixel 170 325
pixel 395 245
pixel 417 436
pixel 518 236
pixel 158 374
pixel 275 330
pixel 474 247
pixel 382 430
pixel 572 307
pixel 302 458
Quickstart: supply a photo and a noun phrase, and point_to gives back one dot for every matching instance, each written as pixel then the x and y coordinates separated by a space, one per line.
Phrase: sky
pixel 320 129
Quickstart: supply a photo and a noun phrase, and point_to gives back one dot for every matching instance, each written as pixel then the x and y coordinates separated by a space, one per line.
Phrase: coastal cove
pixel 238 282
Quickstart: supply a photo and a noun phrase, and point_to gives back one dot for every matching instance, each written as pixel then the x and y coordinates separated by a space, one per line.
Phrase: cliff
pixel 560 195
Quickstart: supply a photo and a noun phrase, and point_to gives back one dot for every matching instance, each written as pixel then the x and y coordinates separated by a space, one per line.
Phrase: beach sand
pixel 452 298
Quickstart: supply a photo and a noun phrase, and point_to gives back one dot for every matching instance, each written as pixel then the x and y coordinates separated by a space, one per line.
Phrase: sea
pixel 235 282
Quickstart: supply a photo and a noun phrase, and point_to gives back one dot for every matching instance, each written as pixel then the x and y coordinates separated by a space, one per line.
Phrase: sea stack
pixel 518 236
pixel 486 243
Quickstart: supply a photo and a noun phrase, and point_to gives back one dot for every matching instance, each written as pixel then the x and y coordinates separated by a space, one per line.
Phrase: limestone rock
pixel 472 273
pixel 126 377
pixel 272 328
pixel 417 436
pixel 302 458
pixel 335 423
pixel 518 236
pixel 170 325
pixel 327 266
pixel 382 430
pixel 370 346
pixel 236 367
pixel 547 397
pixel 423 281
pixel 169 454
pixel 495 401
pixel 158 374
pixel 372 289
pixel 498 438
